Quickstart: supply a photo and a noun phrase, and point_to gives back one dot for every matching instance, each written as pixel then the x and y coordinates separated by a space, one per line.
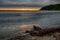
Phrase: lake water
pixel 13 22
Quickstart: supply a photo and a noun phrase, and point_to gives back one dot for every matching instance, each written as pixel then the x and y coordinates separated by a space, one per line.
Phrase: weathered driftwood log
pixel 37 31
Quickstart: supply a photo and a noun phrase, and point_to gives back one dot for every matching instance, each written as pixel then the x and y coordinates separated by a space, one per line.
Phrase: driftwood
pixel 37 31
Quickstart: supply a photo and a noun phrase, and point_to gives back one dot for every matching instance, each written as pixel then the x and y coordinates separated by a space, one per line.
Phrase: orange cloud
pixel 22 8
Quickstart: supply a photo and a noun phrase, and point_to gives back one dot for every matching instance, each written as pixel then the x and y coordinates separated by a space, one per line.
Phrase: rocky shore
pixel 38 34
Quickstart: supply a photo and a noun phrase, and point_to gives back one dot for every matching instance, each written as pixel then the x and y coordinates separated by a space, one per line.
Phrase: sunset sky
pixel 44 2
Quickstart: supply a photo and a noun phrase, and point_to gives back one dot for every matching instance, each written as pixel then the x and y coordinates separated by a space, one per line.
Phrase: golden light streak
pixel 21 8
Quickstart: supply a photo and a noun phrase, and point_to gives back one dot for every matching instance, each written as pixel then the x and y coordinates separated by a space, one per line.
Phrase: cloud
pixel 44 2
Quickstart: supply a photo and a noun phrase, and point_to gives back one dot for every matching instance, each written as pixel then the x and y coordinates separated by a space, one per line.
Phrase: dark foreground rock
pixel 38 33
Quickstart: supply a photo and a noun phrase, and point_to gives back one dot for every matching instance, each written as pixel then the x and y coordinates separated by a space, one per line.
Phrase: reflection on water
pixel 16 22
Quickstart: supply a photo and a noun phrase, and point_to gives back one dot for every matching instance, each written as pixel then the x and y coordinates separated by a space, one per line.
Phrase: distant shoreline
pixel 51 7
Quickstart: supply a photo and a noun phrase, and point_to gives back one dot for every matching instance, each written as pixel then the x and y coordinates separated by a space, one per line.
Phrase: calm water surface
pixel 13 22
